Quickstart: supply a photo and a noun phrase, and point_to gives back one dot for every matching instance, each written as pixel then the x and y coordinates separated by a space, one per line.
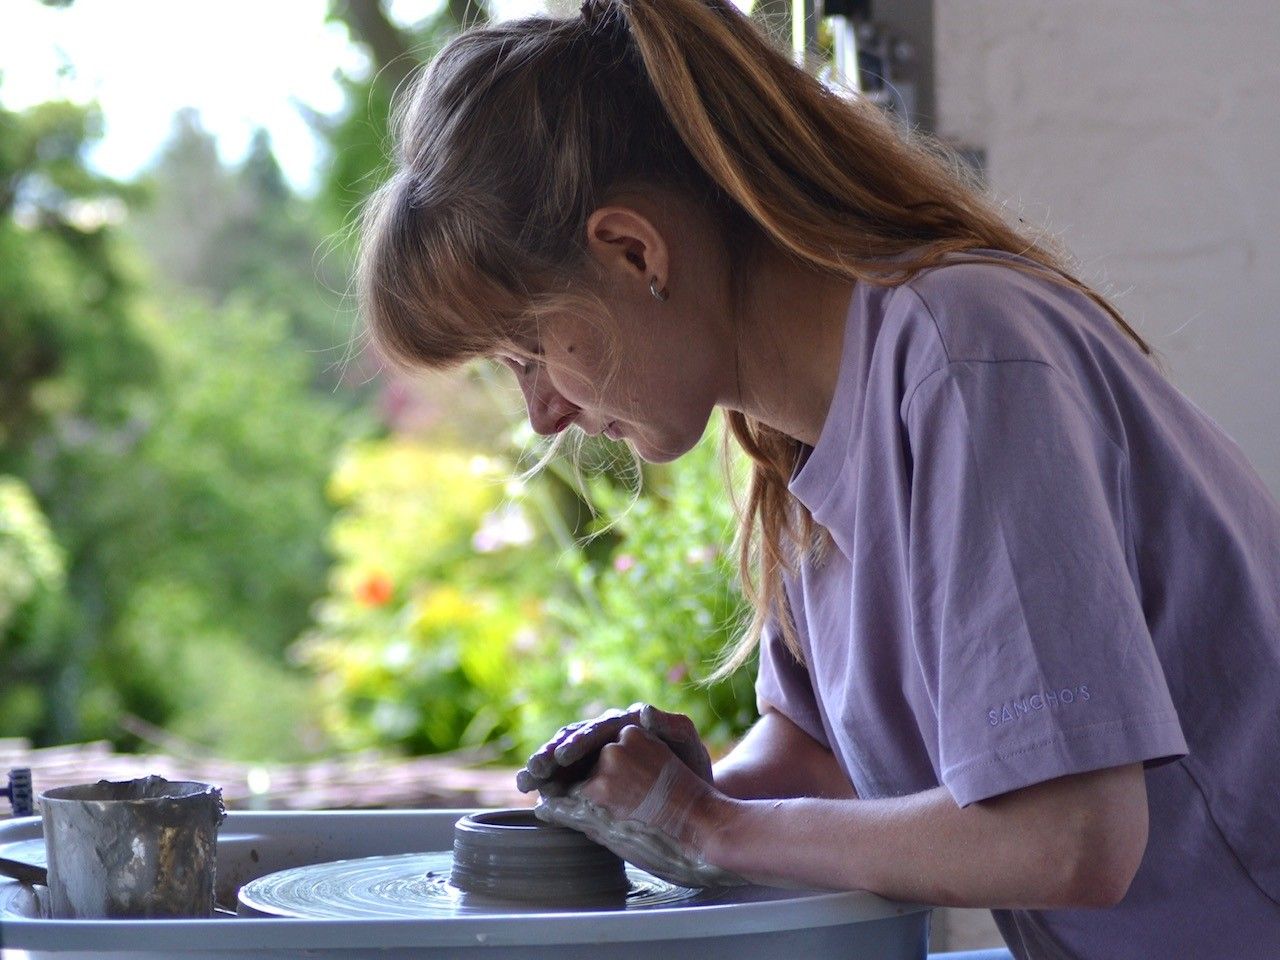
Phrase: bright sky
pixel 241 63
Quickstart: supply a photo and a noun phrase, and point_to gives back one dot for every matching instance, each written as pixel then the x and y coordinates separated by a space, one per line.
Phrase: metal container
pixel 748 923
pixel 132 849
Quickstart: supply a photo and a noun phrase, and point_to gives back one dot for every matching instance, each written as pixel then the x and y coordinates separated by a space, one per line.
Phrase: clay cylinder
pixel 512 855
pixel 134 848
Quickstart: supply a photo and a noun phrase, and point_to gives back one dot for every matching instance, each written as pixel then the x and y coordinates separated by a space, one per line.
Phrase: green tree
pixel 75 362
pixel 212 530
pixel 70 347
pixel 176 444
pixel 216 232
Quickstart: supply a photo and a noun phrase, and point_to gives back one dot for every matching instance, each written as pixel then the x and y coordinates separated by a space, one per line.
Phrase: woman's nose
pixel 549 412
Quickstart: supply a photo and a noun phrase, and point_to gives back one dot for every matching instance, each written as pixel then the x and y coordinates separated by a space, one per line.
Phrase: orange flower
pixel 375 590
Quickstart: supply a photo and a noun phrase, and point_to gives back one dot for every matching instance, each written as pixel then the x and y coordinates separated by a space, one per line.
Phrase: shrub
pixel 459 612
pixel 648 620
pixel 435 589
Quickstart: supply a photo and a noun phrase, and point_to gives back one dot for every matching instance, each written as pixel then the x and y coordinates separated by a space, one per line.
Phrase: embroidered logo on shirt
pixel 1018 708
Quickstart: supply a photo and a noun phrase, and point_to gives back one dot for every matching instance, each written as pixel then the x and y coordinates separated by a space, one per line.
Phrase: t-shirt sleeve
pixel 1026 618
pixel 783 684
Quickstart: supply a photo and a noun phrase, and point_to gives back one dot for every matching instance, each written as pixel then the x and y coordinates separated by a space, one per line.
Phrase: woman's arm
pixel 778 759
pixel 1075 841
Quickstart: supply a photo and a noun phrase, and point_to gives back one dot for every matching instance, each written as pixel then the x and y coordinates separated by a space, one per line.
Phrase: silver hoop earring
pixel 659 295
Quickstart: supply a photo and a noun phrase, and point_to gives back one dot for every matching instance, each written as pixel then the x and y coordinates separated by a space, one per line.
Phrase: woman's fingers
pixel 679 733
pixel 646 805
pixel 543 762
pixel 571 754
pixel 593 735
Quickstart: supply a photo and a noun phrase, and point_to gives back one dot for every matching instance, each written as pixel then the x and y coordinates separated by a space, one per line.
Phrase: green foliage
pixel 648 621
pixel 210 534
pixel 432 598
pixel 69 345
pixel 32 592
pixel 179 449
pixel 171 645
pixel 75 362
pixel 221 234
pixel 451 621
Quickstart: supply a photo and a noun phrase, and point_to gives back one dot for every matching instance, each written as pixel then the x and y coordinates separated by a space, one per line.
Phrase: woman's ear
pixel 628 248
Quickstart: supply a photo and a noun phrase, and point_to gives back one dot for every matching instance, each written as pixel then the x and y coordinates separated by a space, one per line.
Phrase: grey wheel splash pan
pixel 762 922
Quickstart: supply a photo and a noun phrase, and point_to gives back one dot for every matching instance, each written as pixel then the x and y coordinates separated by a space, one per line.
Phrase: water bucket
pixel 133 848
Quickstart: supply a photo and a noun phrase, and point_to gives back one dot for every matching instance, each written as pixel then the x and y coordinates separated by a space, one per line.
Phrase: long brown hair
pixel 517 131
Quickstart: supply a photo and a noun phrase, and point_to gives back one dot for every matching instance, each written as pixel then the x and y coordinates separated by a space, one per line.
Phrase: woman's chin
pixel 653 456
pixel 662 451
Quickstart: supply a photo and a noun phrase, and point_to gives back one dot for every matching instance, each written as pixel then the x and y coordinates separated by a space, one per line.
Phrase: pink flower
pixel 677 673
pixel 623 562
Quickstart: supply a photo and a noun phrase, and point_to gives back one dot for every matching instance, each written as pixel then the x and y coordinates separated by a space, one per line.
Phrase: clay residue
pixel 635 842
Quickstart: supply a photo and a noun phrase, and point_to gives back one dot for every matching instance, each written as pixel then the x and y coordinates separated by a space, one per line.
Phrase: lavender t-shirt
pixel 1046 560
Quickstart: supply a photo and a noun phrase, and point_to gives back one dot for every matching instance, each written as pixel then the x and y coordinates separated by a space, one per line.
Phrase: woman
pixel 1017 599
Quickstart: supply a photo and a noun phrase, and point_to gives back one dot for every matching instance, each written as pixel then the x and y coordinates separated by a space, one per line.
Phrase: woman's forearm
pixel 778 759
pixel 1071 842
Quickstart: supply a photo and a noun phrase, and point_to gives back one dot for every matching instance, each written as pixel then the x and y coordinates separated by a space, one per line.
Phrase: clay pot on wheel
pixel 512 855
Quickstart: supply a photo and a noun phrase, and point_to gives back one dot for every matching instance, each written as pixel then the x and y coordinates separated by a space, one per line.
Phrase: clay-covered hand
pixel 648 807
pixel 570 755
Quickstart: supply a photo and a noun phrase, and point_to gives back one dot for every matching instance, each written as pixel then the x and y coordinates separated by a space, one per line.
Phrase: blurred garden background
pixel 219 519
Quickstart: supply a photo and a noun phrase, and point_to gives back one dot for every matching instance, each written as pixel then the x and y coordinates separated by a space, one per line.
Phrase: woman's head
pixel 638 363
pixel 550 171
pixel 538 194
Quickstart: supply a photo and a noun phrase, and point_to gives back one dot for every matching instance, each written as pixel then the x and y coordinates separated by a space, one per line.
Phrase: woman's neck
pixel 790 335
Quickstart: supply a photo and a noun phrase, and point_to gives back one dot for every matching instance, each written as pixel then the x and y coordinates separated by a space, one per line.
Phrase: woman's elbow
pixel 1109 850
pixel 1102 886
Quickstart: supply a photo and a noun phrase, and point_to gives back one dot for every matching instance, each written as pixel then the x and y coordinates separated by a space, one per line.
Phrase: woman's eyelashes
pixel 522 366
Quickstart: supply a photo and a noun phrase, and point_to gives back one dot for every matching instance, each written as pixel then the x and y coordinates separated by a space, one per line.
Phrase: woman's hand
pixel 570 755
pixel 648 806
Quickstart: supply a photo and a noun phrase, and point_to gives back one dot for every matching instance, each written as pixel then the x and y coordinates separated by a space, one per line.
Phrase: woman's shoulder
pixel 994 306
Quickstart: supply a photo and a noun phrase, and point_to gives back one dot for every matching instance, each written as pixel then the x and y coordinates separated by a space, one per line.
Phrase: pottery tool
pixel 24 861
pixel 19 792
pixel 21 800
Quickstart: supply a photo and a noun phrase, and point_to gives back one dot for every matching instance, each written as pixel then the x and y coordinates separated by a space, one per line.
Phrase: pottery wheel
pixel 416 885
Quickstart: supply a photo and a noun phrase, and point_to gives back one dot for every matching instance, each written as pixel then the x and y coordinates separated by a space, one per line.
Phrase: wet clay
pixel 512 855
pixel 635 841
pixel 418 886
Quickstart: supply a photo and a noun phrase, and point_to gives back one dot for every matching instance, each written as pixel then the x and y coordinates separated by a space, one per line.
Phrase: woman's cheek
pixel 574 386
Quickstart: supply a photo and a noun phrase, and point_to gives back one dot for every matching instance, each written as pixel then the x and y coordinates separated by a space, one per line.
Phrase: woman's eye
pixel 518 364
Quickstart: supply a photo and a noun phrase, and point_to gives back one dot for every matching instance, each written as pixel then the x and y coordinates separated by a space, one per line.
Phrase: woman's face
pixel 629 376
pixel 650 371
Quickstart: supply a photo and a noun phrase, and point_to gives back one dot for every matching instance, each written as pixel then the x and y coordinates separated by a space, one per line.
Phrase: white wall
pixel 1147 134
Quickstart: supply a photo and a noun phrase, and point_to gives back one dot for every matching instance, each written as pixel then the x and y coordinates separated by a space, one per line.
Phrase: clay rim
pixel 514 825
pixel 150 789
